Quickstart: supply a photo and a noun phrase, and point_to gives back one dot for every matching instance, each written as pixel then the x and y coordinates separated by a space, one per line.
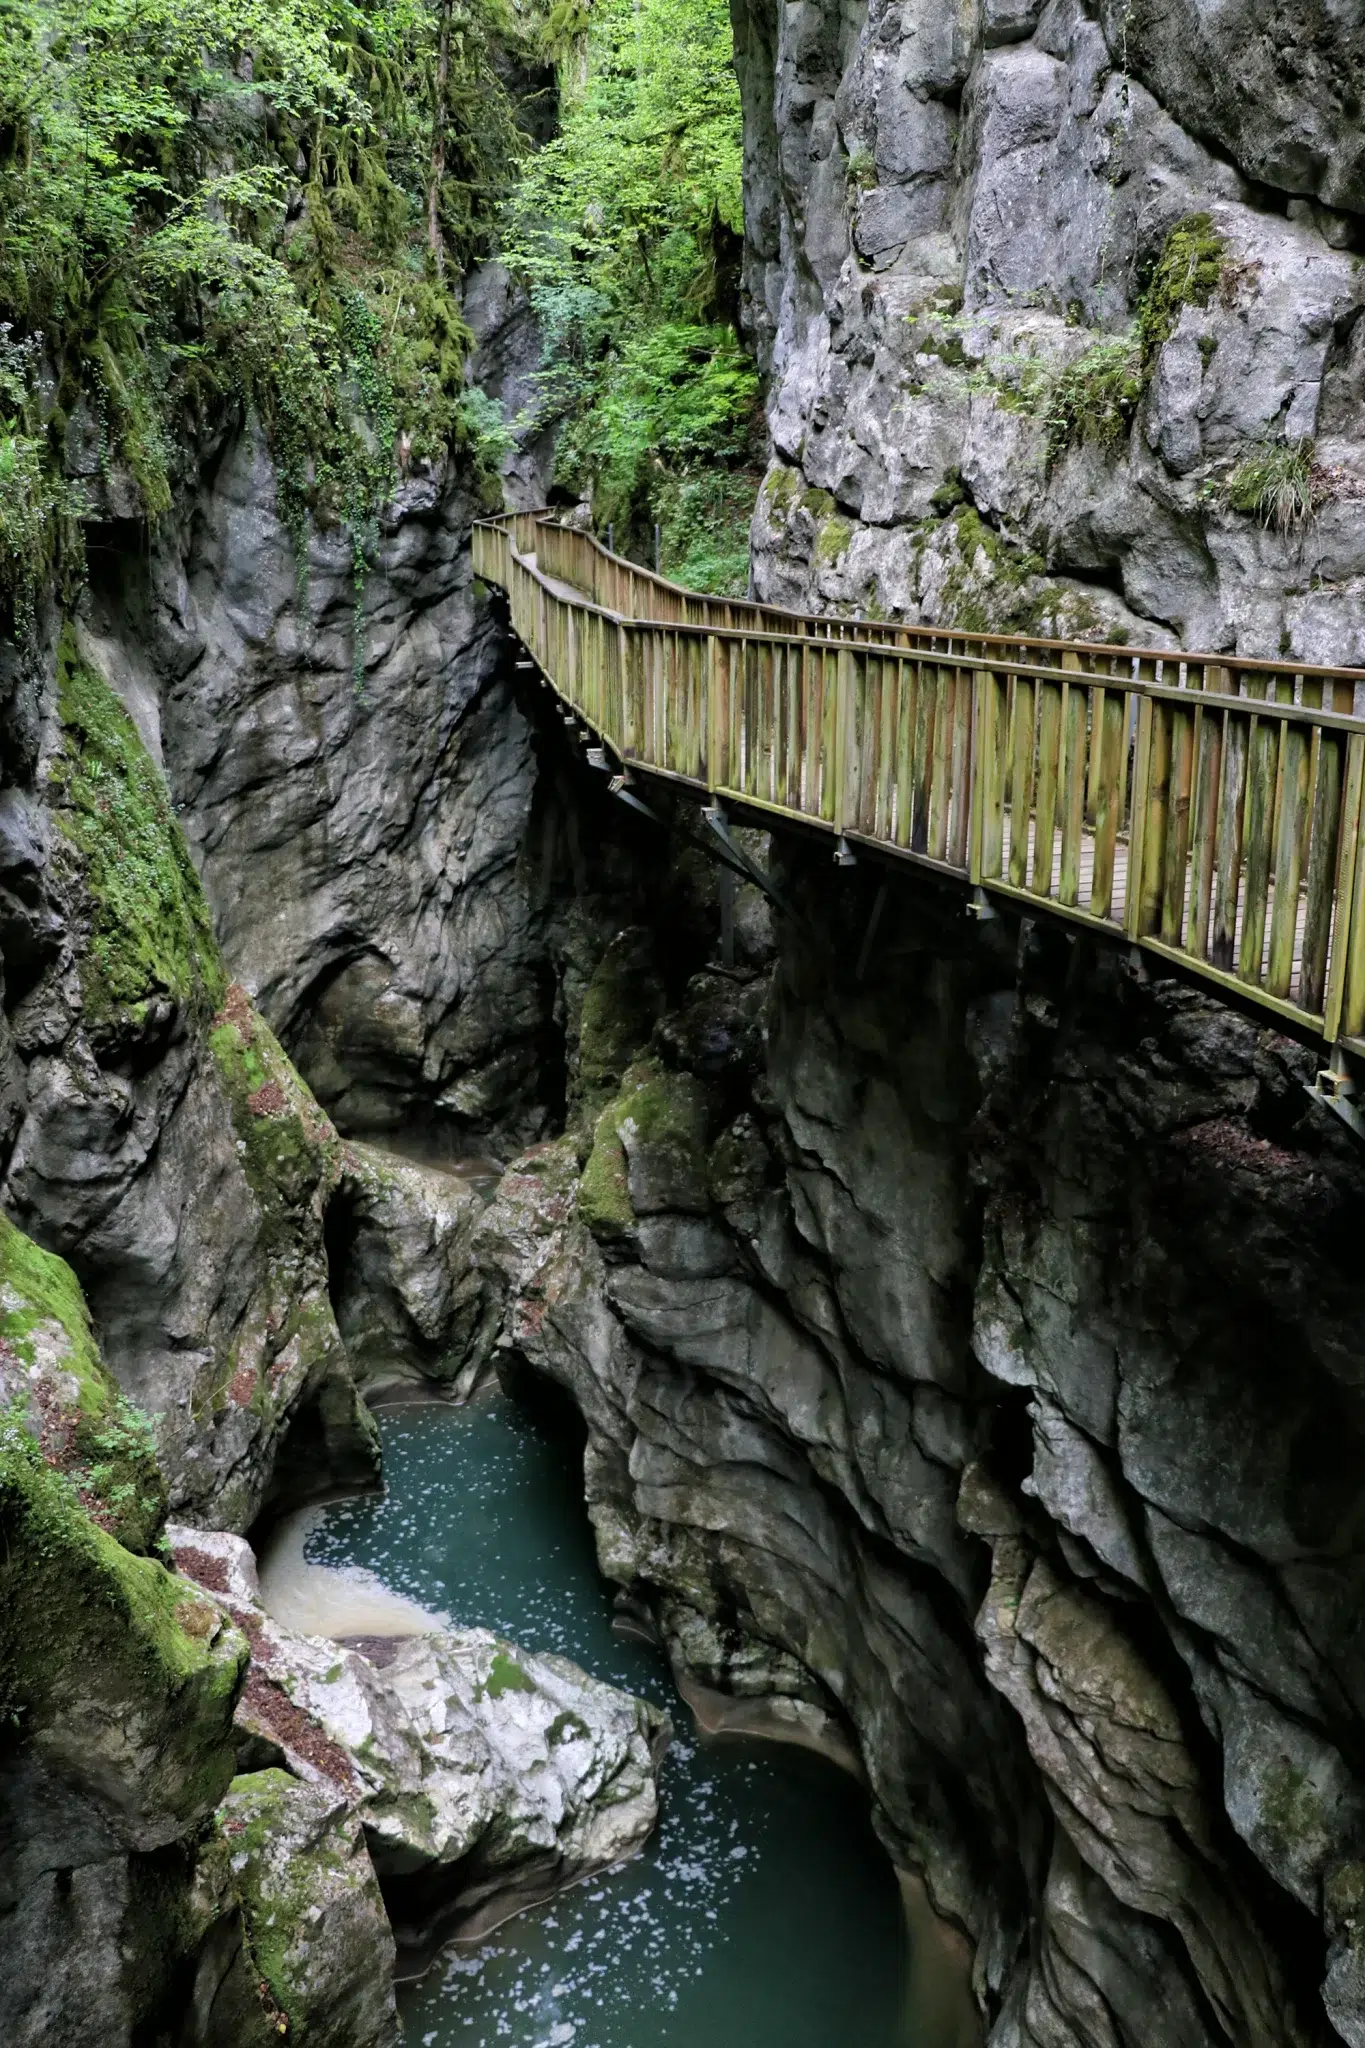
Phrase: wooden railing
pixel 1204 807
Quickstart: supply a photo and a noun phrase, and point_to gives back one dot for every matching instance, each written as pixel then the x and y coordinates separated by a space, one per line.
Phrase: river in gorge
pixel 762 1914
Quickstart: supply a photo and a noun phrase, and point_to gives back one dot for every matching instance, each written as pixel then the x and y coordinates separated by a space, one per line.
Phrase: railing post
pixel 983 826
pixel 1137 838
pixel 845 740
pixel 717 714
pixel 1345 1006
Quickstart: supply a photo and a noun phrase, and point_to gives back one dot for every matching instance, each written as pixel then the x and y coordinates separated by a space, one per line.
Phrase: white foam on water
pixel 332 1600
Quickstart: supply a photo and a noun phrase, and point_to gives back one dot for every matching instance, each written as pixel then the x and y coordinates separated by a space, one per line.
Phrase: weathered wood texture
pixel 1206 807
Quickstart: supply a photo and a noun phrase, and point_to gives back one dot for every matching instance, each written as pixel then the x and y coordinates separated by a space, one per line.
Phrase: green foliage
pixel 861 170
pixel 1094 399
pixel 150 931
pixel 1281 485
pixel 627 230
pixel 704 528
pixel 265 203
pixel 1188 272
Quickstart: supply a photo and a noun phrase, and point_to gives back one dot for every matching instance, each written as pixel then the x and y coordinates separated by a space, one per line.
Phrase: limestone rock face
pixel 355 806
pixel 484 1777
pixel 1004 392
pixel 969 1362
pixel 407 1292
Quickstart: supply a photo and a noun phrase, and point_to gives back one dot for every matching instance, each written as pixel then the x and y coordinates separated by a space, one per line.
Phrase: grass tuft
pixel 1280 485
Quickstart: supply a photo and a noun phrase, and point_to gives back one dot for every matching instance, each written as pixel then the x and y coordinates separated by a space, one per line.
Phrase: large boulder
pixel 484 1776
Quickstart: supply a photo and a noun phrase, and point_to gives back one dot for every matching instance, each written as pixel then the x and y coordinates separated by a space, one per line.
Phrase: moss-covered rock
pixel 150 933
pixel 122 1677
pixel 648 1152
pixel 621 1005
pixel 289 1148
pixel 314 1923
pixel 1188 272
pixel 832 539
pixel 54 1386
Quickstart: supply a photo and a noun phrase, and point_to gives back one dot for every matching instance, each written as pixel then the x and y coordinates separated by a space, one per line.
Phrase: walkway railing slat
pixel 1207 807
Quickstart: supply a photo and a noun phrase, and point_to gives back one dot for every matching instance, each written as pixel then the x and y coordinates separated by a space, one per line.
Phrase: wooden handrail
pixel 1205 807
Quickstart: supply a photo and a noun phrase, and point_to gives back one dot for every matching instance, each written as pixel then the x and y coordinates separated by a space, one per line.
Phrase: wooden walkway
pixel 1204 808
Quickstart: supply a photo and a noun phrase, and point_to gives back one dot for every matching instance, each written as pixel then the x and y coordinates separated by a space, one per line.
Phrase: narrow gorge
pixel 961 1326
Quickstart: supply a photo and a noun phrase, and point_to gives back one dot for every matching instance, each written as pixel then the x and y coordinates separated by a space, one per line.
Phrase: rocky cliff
pixel 1061 309
pixel 222 753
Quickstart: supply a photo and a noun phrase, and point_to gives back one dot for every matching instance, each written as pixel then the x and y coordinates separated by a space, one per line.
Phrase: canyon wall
pixel 967 1332
pixel 969 1338
pixel 1051 295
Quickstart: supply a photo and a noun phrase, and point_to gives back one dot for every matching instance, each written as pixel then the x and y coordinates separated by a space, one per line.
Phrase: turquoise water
pixel 763 1913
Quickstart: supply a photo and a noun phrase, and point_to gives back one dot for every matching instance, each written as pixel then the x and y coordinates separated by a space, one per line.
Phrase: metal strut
pixel 1337 1086
pixel 714 814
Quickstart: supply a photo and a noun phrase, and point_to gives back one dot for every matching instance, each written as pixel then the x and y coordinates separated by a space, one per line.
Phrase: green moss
pixel 289 1147
pixel 39 1290
pixel 281 1867
pixel 819 504
pixel 951 493
pixel 86 1626
pixel 831 543
pixel 992 586
pixel 782 490
pixel 505 1675
pixel 67 1400
pixel 624 1000
pixel 567 1727
pixel 945 342
pixel 604 1190
pixel 663 1115
pixel 1188 272
pixel 150 930
pixel 1291 1806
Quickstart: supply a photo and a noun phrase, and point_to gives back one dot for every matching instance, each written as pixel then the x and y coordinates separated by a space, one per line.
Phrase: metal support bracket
pixel 844 856
pixel 981 907
pixel 618 787
pixel 1337 1088
pixel 714 814
pixel 597 758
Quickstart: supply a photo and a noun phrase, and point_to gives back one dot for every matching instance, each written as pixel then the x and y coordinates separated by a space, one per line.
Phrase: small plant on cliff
pixel 1188 272
pixel 1094 399
pixel 1282 486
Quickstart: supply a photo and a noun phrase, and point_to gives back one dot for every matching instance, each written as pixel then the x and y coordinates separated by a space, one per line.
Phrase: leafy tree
pixel 267 202
pixel 627 230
